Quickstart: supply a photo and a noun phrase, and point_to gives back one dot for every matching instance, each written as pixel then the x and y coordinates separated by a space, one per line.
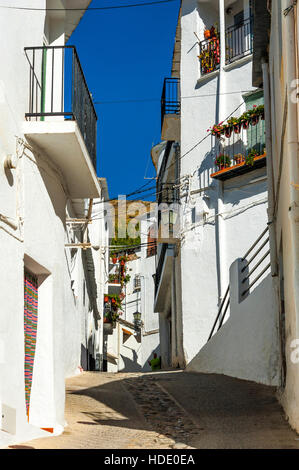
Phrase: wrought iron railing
pixel 240 143
pixel 170 100
pixel 250 274
pixel 58 89
pixel 259 253
pixel 239 40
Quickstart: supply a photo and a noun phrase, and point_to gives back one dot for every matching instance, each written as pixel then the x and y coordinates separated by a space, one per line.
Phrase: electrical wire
pixel 142 100
pixel 114 7
pixel 202 140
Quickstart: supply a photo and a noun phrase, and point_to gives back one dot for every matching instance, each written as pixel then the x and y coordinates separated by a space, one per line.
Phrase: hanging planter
pixel 237 128
pixel 228 131
pixel 245 124
pixel 255 119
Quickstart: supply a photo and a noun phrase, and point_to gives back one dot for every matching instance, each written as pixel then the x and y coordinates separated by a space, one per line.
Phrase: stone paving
pixel 169 410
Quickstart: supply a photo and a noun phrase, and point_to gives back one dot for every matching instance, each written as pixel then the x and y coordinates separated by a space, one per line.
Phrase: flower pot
pixel 228 131
pixel 114 260
pixel 254 120
pixel 245 124
pixel 238 160
pixel 237 128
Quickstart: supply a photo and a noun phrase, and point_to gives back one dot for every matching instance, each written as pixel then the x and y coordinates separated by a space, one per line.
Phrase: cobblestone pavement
pixel 168 410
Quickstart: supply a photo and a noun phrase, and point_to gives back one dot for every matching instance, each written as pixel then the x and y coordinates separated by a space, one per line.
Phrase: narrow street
pixel 169 410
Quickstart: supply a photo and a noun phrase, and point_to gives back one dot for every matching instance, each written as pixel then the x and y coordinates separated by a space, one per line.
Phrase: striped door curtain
pixel 30 329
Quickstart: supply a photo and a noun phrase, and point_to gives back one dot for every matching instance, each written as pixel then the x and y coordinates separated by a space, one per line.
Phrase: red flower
pixel 106 299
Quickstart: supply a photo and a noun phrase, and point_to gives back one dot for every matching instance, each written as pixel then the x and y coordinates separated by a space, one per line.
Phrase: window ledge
pixel 238 62
pixel 208 76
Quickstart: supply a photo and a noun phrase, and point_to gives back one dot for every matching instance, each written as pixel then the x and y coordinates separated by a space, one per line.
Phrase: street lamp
pixel 137 319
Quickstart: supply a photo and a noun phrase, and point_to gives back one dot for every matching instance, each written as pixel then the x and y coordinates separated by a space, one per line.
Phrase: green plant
pixel 223 161
pixel 238 158
pixel 113 277
pixel 249 159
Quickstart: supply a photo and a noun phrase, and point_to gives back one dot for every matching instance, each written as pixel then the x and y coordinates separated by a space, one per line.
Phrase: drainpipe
pixel 293 156
pixel 221 115
pixel 270 176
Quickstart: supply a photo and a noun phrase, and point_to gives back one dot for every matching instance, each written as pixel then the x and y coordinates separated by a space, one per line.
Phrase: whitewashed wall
pixel 229 215
pixel 34 198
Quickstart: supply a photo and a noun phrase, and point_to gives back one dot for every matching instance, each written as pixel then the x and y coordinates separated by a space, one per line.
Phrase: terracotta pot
pixel 254 120
pixel 228 132
pixel 237 128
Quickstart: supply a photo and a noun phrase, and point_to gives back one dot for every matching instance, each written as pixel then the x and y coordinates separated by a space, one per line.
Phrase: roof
pixel 72 12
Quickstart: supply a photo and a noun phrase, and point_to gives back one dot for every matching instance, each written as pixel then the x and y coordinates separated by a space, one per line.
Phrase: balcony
pixel 238 44
pixel 61 119
pixel 170 110
pixel 239 40
pixel 239 145
pixel 168 213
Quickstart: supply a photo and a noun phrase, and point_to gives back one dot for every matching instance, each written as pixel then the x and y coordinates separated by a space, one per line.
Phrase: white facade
pixel 220 218
pixel 37 199
pixel 276 69
pixel 129 349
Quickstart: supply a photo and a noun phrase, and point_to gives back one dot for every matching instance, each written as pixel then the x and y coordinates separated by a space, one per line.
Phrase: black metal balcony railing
pixel 240 145
pixel 57 87
pixel 167 196
pixel 170 100
pixel 238 43
pixel 239 39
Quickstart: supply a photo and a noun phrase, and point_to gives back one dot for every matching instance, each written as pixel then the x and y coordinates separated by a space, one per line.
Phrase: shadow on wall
pixel 87 361
pixel 133 365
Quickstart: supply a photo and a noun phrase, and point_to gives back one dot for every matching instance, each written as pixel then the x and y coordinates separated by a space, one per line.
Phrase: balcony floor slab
pixel 62 142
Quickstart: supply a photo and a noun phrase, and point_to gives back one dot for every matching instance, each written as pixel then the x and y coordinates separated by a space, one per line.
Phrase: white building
pixel 134 337
pixel 48 176
pixel 222 210
pixel 276 69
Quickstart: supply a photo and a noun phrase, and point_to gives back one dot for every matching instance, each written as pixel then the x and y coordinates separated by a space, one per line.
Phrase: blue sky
pixel 125 55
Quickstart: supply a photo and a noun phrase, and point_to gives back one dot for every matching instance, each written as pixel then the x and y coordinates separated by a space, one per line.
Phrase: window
pixel 137 282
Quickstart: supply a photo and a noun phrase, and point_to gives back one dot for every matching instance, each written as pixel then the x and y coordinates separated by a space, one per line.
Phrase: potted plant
pixel 228 131
pixel 249 159
pixel 238 158
pixel 223 161
pixel 207 34
pixel 235 123
pixel 217 130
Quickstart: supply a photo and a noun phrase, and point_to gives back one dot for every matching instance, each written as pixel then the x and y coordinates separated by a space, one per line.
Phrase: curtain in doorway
pixel 30 329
